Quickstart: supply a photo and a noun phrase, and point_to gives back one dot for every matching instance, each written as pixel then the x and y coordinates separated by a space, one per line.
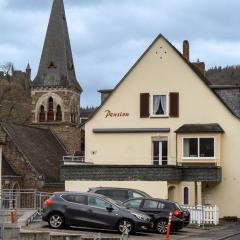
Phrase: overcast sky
pixel 108 36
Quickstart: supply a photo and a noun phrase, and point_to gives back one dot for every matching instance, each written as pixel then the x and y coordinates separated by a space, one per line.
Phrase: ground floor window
pixel 160 152
pixel 199 147
pixel 186 196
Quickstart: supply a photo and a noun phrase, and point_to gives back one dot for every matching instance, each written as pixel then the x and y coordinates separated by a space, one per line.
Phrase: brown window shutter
pixel 144 105
pixel 174 104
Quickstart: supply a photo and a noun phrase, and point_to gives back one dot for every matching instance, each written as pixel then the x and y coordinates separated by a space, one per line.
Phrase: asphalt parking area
pixel 185 233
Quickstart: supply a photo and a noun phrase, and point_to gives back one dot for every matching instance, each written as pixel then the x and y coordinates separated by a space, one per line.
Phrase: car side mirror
pixel 109 208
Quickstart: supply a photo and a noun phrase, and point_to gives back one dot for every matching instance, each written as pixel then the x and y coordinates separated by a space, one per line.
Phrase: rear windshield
pixel 80 199
pixel 111 201
pixel 120 195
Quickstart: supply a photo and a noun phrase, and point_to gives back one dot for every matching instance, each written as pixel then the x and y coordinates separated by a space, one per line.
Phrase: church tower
pixel 55 90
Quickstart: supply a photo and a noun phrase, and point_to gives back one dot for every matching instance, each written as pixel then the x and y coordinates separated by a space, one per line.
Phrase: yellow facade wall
pixel 156 189
pixel 160 72
pixel 178 192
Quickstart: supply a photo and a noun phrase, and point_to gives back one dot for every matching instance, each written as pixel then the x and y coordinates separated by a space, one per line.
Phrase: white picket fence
pixel 203 214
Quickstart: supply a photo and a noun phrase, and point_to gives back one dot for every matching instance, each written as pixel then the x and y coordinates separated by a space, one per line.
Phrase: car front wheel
pixel 161 226
pixel 125 226
pixel 56 220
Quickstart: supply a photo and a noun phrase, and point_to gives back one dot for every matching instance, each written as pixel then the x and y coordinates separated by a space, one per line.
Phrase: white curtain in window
pixel 156 103
pixel 163 102
pixel 186 144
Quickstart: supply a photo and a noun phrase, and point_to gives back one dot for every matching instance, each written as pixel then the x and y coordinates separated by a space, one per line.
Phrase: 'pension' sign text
pixel 115 114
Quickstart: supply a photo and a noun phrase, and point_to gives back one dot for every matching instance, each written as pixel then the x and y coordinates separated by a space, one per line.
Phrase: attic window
pixel 51 65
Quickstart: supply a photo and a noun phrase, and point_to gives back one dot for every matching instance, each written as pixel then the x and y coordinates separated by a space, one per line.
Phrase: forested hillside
pixel 229 75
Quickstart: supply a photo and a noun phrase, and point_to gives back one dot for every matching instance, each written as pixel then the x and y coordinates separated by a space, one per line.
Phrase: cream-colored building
pixel 165 131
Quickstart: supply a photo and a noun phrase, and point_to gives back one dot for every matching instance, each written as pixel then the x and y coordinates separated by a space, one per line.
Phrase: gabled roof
pixel 194 69
pixel 56 67
pixel 39 147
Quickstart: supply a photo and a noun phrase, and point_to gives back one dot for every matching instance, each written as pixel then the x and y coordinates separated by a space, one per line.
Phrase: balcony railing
pixel 74 159
pixel 106 172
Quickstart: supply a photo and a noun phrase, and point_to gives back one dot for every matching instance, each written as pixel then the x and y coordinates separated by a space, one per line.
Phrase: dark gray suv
pixel 92 210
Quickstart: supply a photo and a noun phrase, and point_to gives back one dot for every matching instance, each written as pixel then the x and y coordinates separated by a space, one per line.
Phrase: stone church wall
pixel 19 165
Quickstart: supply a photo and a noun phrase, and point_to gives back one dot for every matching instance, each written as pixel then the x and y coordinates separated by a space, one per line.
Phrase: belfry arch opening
pixel 59 113
pixel 42 114
pixel 50 114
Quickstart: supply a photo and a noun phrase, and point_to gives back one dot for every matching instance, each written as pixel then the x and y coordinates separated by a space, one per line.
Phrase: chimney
pixel 186 49
pixel 200 66
pixel 104 94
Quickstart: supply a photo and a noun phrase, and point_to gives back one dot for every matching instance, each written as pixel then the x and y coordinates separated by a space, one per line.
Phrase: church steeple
pixel 56 68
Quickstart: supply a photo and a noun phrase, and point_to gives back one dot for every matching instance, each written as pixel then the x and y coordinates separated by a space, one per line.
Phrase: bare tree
pixel 4 89
pixel 12 101
pixel 7 68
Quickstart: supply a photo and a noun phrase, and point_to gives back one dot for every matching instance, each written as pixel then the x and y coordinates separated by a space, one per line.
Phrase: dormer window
pixel 51 65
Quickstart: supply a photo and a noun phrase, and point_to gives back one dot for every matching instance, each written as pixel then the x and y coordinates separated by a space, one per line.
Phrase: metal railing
pixel 24 199
pixel 13 204
pixel 6 210
pixel 74 159
pixel 141 159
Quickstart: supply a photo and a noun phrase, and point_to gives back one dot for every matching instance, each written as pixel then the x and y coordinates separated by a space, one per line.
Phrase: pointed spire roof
pixel 56 68
pixel 28 67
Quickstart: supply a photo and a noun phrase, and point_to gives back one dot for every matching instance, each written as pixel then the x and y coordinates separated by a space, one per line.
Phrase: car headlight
pixel 141 217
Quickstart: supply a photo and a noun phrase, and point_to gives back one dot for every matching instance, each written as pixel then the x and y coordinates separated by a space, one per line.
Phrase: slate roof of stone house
pixel 203 128
pixel 230 95
pixel 40 147
pixel 7 169
pixel 56 68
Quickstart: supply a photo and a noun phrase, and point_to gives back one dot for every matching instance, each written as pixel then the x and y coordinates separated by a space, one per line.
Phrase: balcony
pixel 83 171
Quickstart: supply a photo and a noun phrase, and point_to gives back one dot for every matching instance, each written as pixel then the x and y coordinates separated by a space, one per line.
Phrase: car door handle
pixel 90 210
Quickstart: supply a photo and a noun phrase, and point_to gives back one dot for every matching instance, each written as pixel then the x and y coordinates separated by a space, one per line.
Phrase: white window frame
pixel 167 105
pixel 160 138
pixel 199 158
